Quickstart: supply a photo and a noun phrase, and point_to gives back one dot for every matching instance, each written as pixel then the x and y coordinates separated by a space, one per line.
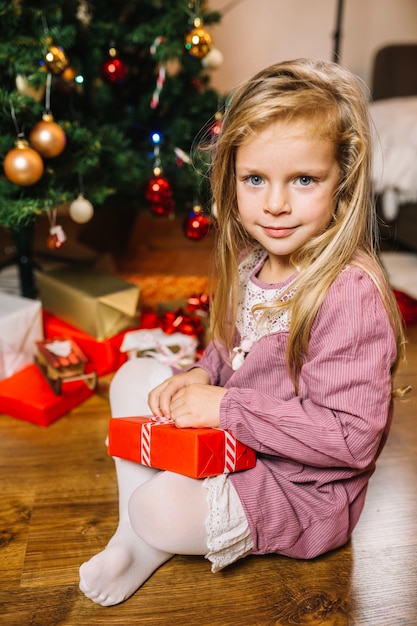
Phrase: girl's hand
pixel 159 399
pixel 197 406
pixel 188 399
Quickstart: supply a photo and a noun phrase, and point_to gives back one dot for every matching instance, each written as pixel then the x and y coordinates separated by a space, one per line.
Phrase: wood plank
pixel 59 507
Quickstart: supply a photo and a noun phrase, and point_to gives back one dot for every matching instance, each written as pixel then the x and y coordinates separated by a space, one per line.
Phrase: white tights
pixel 160 513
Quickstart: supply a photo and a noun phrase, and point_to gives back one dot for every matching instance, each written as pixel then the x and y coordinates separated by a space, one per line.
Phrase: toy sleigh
pixel 61 360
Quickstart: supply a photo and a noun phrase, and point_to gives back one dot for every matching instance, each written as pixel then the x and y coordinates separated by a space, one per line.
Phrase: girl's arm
pixel 214 362
pixel 344 401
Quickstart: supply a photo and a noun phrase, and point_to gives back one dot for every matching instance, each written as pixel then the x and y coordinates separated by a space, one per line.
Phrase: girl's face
pixel 286 178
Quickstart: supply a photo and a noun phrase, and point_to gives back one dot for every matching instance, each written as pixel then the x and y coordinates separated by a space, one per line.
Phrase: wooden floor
pixel 59 507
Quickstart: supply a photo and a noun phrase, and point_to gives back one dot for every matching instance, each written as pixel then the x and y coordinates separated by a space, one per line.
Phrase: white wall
pixel 256 33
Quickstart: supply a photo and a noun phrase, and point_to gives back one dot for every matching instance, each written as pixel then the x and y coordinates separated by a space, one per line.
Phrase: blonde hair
pixel 311 91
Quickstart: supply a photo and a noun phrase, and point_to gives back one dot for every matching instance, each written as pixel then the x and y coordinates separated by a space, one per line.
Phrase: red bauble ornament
pixel 113 69
pixel 158 189
pixel 158 193
pixel 216 127
pixel 196 225
pixel 22 165
pixel 163 209
pixel 47 137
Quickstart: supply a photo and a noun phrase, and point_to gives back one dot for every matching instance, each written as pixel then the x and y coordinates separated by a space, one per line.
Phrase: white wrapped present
pixel 20 329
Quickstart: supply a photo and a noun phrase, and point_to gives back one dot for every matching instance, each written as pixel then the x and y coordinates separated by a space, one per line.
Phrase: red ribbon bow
pixel 199 303
pixel 179 322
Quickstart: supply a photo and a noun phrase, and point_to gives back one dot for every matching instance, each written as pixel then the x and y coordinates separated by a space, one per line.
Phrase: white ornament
pixel 81 210
pixel 212 60
pixel 24 87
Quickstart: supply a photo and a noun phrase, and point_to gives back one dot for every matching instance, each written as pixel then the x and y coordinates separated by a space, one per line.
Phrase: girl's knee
pixel 132 383
pixel 153 507
pixel 144 512
pixel 169 512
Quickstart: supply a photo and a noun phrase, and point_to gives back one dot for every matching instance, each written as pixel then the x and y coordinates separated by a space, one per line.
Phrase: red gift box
pixel 407 306
pixel 28 396
pixel 195 452
pixel 103 356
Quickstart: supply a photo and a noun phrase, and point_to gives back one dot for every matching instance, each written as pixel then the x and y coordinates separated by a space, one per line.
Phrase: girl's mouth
pixel 278 233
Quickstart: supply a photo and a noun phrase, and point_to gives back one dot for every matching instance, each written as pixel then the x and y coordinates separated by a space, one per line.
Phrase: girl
pixel 306 339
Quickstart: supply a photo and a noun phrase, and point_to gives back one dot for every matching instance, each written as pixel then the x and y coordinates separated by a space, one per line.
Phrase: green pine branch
pixel 108 126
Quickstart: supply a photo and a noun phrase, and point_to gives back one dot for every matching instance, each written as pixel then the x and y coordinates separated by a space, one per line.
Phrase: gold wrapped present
pixel 100 304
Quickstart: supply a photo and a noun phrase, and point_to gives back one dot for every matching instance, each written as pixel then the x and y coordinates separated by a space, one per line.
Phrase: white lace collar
pixel 253 291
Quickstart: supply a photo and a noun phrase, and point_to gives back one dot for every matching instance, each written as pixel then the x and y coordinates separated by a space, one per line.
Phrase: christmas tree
pixel 101 100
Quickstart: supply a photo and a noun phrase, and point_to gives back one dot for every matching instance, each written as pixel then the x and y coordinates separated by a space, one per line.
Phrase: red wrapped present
pixel 195 452
pixel 103 356
pixel 28 396
pixel 407 306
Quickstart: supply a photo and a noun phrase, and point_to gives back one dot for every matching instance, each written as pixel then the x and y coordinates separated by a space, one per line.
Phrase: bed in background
pixel 394 111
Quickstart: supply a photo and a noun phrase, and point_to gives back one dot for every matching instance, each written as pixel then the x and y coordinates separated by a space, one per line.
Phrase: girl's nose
pixel 276 200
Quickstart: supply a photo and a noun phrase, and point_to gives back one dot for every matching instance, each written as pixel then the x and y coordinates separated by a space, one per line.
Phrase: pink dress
pixel 316 450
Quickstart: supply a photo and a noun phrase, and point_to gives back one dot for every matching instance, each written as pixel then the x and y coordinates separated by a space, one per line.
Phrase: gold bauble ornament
pixel 47 137
pixel 69 74
pixel 56 60
pixel 22 165
pixel 198 42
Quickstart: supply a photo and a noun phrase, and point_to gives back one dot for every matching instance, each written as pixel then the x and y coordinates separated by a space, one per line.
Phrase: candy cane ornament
pixel 161 74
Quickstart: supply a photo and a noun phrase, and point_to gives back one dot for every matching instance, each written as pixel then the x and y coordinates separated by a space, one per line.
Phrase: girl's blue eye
pixel 305 180
pixel 255 180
